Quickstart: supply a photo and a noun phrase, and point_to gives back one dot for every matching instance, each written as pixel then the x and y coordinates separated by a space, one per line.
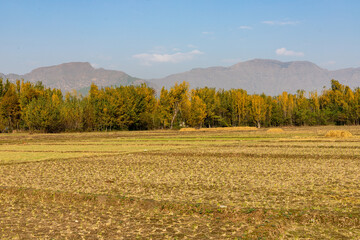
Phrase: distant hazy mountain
pixel 264 76
pixel 256 76
pixel 76 75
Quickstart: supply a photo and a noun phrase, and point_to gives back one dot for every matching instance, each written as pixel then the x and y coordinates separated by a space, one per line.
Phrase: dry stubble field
pixel 181 185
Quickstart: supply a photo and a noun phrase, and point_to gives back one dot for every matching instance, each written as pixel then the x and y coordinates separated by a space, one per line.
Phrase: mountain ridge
pixel 264 76
pixel 267 76
pixel 76 75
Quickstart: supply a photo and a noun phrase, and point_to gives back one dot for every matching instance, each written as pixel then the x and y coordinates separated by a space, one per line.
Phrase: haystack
pixel 187 129
pixel 275 130
pixel 338 134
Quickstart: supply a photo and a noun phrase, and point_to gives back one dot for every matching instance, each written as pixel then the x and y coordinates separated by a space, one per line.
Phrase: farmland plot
pixel 169 184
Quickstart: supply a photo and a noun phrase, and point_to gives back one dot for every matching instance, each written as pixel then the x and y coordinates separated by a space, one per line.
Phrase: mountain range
pixel 271 77
pixel 76 75
pixel 256 76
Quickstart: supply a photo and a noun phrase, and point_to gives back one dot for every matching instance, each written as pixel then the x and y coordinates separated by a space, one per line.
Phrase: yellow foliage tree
pixel 240 102
pixel 258 109
pixel 197 112
pixel 178 94
pixel 286 102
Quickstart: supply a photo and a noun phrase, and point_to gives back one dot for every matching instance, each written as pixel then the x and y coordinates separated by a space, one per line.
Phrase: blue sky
pixel 155 38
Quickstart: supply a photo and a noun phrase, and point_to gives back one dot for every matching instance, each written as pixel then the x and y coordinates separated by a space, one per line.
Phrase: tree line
pixel 33 107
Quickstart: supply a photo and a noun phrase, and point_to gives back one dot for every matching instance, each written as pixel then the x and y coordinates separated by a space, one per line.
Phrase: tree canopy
pixel 33 107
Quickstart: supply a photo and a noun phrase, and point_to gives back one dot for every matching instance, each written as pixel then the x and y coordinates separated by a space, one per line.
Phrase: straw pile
pixel 338 134
pixel 188 129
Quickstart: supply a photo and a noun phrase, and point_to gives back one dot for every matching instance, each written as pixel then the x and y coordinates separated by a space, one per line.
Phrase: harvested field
pixel 219 129
pixel 275 130
pixel 181 185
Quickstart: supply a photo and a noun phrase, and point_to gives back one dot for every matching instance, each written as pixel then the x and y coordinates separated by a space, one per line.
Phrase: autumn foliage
pixel 33 107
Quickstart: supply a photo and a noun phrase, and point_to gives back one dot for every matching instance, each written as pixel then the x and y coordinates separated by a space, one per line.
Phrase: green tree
pixel 43 114
pixel 212 102
pixel 226 112
pixel 72 112
pixel 301 109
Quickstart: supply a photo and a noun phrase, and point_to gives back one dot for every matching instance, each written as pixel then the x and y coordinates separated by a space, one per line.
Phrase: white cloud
pixel 285 52
pixel 147 58
pixel 281 23
pixel 191 46
pixel 207 33
pixel 245 27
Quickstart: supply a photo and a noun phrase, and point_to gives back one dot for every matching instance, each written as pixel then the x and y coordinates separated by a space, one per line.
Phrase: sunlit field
pixel 219 184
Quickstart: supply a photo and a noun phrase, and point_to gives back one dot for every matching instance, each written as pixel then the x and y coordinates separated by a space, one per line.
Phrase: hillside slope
pixel 264 76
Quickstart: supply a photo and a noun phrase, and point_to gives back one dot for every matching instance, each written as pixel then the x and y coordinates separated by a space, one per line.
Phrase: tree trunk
pixel 174 116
